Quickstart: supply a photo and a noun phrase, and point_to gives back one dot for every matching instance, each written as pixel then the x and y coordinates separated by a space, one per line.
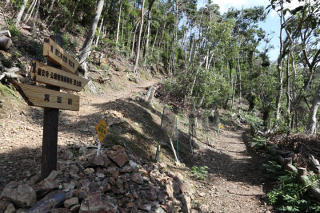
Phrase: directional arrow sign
pixel 57 54
pixel 56 77
pixel 39 96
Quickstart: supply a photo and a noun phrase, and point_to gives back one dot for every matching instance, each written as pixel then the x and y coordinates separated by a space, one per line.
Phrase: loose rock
pixel 22 195
pixel 71 202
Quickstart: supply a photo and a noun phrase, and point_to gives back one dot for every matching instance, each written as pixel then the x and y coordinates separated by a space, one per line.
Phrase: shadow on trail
pixel 221 162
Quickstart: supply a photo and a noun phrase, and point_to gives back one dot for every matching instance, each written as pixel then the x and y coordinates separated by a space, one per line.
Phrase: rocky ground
pixel 112 181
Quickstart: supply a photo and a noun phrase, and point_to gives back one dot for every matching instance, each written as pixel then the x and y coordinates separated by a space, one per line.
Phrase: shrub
pixel 200 172
pixel 289 195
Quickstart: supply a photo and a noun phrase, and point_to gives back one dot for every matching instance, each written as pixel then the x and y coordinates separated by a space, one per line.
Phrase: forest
pixel 212 59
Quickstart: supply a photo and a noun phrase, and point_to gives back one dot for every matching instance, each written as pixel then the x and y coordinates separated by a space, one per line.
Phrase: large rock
pixel 22 195
pixel 45 186
pixel 118 156
pixel 95 203
pixel 51 201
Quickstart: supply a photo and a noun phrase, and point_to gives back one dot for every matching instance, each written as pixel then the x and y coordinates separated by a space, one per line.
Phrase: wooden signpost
pixel 56 77
pixel 56 54
pixel 50 97
pixel 42 97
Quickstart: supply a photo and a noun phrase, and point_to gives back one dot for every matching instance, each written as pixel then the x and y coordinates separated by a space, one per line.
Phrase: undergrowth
pixel 200 172
pixel 289 195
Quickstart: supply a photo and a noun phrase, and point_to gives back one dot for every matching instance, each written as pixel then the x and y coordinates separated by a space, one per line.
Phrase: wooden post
pixel 50 131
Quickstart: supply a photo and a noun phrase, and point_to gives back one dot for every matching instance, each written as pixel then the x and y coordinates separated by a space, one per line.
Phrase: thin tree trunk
pixel 294 93
pixel 175 40
pixel 86 48
pixel 99 31
pixel 7 2
pixel 240 86
pixel 19 16
pixel 28 16
pixel 162 35
pixel 312 127
pixel 288 90
pixel 147 42
pixel 195 79
pixel 53 20
pixel 51 6
pixel 280 71
pixel 154 42
pixel 134 40
pixel 139 39
pixel 119 21
pixel 36 16
pixel 29 9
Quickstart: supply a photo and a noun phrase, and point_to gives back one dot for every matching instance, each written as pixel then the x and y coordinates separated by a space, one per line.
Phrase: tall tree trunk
pixel 139 39
pixel 293 87
pixel 175 40
pixel 19 16
pixel 119 21
pixel 36 16
pixel 86 48
pixel 195 79
pixel 147 42
pixel 288 90
pixel 312 127
pixel 162 34
pixel 29 10
pixel 99 31
pixel 28 16
pixel 134 40
pixel 7 2
pixel 154 42
pixel 279 68
pixel 240 86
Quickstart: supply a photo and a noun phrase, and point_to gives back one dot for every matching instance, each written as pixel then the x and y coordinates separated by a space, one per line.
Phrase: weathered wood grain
pixel 58 55
pixel 42 97
pixel 49 75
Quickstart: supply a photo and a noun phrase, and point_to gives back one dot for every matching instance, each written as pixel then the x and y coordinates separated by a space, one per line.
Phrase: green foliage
pixel 70 43
pixel 15 32
pixel 200 172
pixel 258 141
pixel 251 118
pixel 272 167
pixel 289 195
pixel 7 91
pixel 212 86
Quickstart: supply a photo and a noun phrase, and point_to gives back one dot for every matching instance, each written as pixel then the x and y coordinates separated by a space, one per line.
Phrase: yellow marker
pixel 101 129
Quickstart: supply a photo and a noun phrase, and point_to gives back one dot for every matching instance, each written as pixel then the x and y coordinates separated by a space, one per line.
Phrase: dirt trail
pixel 235 182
